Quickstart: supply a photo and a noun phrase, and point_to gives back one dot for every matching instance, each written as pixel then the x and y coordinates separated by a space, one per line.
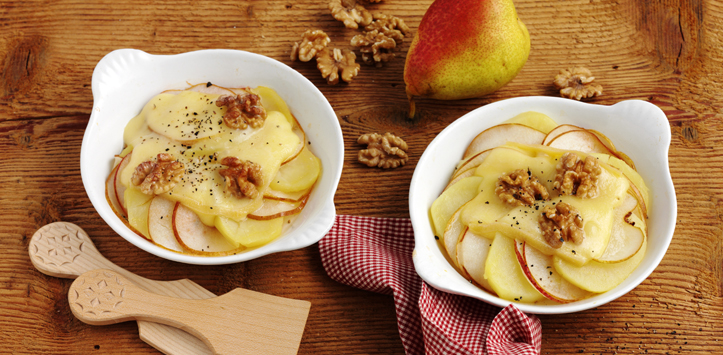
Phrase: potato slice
pixel 505 275
pixel 250 233
pixel 451 200
pixel 137 204
pixel 536 120
pixel 298 174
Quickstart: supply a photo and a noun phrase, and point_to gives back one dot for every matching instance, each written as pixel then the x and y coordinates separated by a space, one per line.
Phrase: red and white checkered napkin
pixel 375 254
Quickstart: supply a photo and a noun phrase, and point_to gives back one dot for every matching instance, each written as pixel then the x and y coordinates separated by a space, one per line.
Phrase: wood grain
pixel 665 52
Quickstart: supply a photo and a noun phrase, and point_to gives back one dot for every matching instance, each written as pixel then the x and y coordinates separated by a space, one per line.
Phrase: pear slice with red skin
pixel 110 194
pixel 195 236
pixel 118 188
pixel 452 234
pixel 471 163
pixel 472 251
pixel 272 209
pixel 271 194
pixel 555 132
pixel 160 223
pixel 500 134
pixel 580 140
pixel 459 177
pixel 541 273
pixel 625 238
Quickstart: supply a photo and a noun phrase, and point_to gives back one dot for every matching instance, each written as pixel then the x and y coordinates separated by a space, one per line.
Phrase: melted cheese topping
pixel 486 214
pixel 190 126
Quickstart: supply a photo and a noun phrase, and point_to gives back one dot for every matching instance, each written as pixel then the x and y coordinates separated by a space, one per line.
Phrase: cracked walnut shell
pixel 383 151
pixel 520 188
pixel 577 83
pixel 330 63
pixel 159 176
pixel 561 223
pixel 242 110
pixel 350 13
pixel 577 177
pixel 375 47
pixel 243 177
pixel 311 43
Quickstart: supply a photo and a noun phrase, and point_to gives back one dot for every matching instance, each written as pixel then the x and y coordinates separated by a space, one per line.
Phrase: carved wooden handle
pixel 239 322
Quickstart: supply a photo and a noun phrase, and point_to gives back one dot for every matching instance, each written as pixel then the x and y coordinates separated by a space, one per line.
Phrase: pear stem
pixel 412 108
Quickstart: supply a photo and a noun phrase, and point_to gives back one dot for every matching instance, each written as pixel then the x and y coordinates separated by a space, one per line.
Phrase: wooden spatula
pixel 63 249
pixel 238 322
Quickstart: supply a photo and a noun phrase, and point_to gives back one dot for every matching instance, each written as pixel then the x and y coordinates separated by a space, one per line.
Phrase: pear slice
pixel 110 194
pixel 271 194
pixel 539 270
pixel 459 177
pixel 451 200
pixel 505 275
pixel 580 140
pixel 195 236
pixel 160 223
pixel 625 239
pixel 272 209
pixel 471 163
pixel 453 232
pixel 498 135
pixel 472 252
pixel 118 188
pixel 203 88
pixel 596 276
pixel 555 132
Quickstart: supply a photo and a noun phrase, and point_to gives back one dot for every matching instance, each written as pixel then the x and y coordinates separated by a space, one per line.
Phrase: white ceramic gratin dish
pixel 124 81
pixel 637 128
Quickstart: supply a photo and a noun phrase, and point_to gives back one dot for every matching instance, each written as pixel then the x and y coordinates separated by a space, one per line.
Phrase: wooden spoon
pixel 63 249
pixel 238 322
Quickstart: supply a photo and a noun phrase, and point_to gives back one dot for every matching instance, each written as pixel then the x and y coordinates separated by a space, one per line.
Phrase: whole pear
pixel 465 49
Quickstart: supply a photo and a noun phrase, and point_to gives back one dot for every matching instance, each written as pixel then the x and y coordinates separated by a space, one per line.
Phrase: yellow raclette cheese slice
pixel 487 215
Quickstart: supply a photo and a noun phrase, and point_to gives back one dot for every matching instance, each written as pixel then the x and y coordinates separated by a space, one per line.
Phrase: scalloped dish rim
pixel 125 79
pixel 638 128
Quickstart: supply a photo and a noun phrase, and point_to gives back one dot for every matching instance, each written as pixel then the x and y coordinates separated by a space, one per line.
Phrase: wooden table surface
pixel 665 52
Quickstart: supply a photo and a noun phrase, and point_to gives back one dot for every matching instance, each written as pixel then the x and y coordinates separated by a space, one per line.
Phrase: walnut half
pixel 577 83
pixel 159 176
pixel 350 13
pixel 520 188
pixel 577 177
pixel 311 43
pixel 243 177
pixel 331 63
pixel 375 47
pixel 383 151
pixel 242 110
pixel 561 223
